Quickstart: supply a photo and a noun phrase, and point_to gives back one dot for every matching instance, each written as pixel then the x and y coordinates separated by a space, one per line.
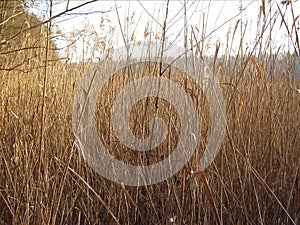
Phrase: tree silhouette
pixel 20 32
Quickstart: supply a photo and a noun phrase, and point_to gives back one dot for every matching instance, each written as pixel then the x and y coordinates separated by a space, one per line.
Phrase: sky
pixel 104 25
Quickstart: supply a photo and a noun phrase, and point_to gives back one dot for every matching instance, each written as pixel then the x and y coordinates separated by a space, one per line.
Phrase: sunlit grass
pixel 45 180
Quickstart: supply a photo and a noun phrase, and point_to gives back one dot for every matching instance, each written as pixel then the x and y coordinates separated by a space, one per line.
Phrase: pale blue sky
pixel 219 16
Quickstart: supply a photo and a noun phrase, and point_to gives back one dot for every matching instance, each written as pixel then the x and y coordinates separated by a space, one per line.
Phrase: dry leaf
pixel 258 69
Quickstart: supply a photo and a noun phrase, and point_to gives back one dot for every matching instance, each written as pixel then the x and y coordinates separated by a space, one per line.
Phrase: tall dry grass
pixel 253 180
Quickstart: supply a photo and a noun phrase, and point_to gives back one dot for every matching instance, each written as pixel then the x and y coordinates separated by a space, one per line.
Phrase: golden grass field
pixel 45 180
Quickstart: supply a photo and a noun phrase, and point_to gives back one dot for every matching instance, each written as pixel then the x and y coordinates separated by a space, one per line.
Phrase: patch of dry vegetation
pixel 255 177
pixel 253 180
